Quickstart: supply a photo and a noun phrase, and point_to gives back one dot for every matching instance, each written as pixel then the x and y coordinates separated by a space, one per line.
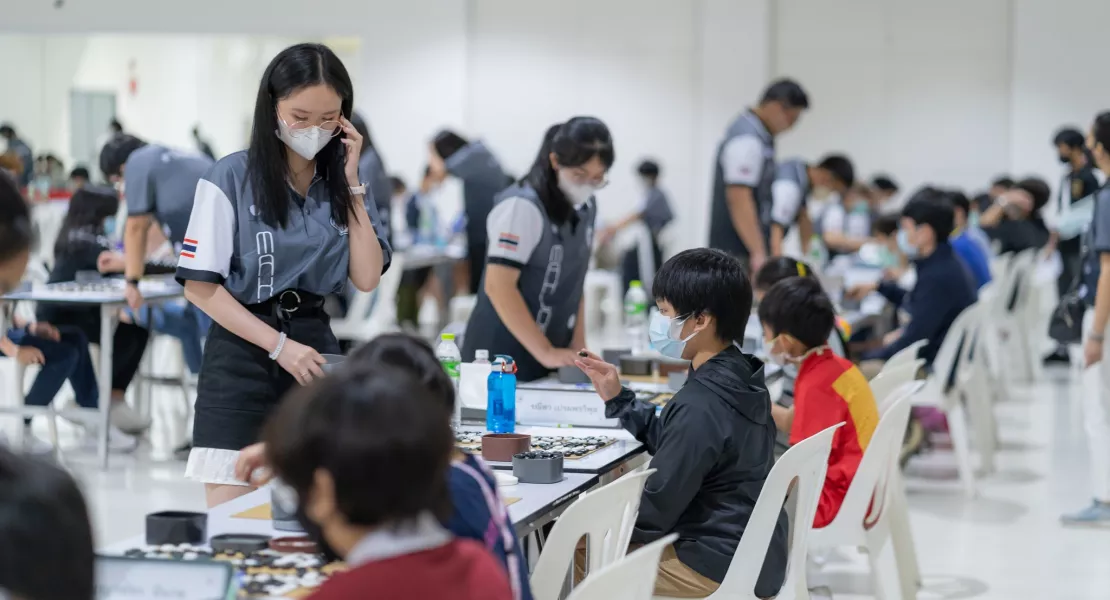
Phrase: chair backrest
pixel 891 379
pixel 868 496
pixel 962 330
pixel 807 462
pixel 905 355
pixel 606 517
pixel 630 578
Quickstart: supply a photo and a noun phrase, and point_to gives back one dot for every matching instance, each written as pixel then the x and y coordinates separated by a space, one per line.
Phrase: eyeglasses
pixel 580 177
pixel 332 128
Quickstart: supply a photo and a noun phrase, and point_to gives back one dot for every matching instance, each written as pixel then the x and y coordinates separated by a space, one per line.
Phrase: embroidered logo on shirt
pixel 508 241
pixel 188 248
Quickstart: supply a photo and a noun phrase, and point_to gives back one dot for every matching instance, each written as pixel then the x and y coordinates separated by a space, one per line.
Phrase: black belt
pixel 290 304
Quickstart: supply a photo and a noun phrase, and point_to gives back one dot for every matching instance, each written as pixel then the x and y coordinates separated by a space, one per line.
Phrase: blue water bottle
pixel 501 399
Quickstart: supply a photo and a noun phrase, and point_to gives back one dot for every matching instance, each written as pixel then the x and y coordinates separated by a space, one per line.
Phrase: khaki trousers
pixel 675 579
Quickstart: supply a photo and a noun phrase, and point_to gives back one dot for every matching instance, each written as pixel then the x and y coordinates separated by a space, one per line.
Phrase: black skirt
pixel 240 386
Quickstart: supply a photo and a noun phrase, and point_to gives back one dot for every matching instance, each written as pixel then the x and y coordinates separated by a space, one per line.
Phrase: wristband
pixel 358 191
pixel 281 344
pixel 133 281
pixel 1098 337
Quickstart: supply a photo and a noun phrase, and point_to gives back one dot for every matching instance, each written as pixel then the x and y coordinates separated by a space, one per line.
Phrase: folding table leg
pixel 108 321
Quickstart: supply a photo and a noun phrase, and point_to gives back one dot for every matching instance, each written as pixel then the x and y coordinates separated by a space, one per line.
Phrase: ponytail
pixel 574 144
pixel 543 178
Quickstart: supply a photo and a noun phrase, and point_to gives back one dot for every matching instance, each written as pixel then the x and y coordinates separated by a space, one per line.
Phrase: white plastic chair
pixel 381 304
pixel 13 375
pixel 606 516
pixel 864 519
pixel 891 378
pixel 905 355
pixel 806 461
pixel 630 578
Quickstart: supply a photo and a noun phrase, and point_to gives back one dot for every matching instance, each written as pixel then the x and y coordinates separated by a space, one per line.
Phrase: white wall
pixel 917 89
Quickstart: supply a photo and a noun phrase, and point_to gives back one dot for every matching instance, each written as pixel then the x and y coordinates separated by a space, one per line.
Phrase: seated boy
pixel 368 454
pixel 797 317
pixel 713 442
pixel 44 532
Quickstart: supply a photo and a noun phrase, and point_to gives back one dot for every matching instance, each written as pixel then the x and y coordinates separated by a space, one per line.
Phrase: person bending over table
pixel 83 238
pixel 276 228
pixel 367 452
pixel 794 182
pixel 540 236
pixel 944 285
pixel 655 213
pixel 713 443
pixel 478 512
pixel 1015 221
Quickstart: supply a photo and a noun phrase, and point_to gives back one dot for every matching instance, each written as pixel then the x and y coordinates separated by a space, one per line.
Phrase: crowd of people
pixel 263 237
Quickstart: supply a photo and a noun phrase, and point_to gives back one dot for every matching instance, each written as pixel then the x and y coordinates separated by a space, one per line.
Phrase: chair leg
pixel 957 429
pixel 901 537
pixel 982 420
pixel 52 424
pixel 886 580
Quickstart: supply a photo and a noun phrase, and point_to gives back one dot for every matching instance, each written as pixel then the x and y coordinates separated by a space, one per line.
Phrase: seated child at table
pixel 478 513
pixel 797 316
pixel 367 451
pixel 713 442
pixel 44 532
pixel 783 267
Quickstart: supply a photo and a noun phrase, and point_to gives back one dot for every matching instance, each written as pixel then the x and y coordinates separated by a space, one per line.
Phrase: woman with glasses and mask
pixel 540 236
pixel 273 230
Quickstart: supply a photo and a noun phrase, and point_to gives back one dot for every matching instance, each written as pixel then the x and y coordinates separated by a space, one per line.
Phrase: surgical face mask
pixel 663 334
pixel 307 142
pixel 577 193
pixel 904 244
pixel 973 220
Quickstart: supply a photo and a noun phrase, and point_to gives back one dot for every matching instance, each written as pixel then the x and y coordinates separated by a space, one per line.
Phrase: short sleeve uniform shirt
pixel 162 183
pixel 746 157
pixel 483 178
pixel 1096 242
pixel 789 191
pixel 227 242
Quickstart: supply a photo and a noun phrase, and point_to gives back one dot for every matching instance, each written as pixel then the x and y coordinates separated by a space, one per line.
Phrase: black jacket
pixel 713 446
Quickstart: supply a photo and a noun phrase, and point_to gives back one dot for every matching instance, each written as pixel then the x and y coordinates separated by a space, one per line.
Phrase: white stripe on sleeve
pixel 211 230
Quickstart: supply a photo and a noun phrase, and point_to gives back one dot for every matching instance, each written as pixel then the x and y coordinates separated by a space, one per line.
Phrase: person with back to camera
pixel 797 319
pixel 886 192
pixel 17 146
pixel 745 172
pixel 713 443
pixel 794 182
pixel 275 228
pixel 970 242
pixel 371 167
pixel 367 452
pixel 655 213
pixel 1094 289
pixel 541 230
pixel 483 179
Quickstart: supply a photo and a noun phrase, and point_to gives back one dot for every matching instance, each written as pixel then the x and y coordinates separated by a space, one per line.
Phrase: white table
pixel 538 505
pixel 608 463
pixel 111 301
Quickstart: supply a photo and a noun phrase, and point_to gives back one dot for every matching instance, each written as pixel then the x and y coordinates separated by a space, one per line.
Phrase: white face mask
pixel 307 142
pixel 577 193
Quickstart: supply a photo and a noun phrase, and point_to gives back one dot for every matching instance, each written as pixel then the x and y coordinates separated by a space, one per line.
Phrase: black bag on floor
pixel 1066 324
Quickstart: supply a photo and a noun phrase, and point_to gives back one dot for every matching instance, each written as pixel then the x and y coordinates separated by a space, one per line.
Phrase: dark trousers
pixel 630 263
pixel 67 358
pixel 1072 268
pixel 408 305
pixel 128 345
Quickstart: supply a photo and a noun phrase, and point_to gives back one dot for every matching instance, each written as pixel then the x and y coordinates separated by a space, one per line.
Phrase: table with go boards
pixel 108 295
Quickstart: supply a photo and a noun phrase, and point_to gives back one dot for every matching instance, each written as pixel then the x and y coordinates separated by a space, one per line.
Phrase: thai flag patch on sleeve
pixel 508 241
pixel 188 248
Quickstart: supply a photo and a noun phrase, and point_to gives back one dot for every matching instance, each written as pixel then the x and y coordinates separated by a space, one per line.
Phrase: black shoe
pixel 1059 357
pixel 182 452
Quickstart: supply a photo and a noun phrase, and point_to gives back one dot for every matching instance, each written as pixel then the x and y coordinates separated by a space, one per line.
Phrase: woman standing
pixel 273 230
pixel 540 236
pixel 1095 290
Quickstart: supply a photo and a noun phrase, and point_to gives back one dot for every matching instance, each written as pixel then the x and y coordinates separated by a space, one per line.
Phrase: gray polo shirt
pixel 162 182
pixel 372 172
pixel 746 156
pixel 1096 242
pixel 552 259
pixel 228 242
pixel 656 213
pixel 789 191
pixel 483 178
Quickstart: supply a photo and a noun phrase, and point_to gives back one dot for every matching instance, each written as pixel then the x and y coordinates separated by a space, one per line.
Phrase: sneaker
pixel 128 420
pixel 1095 515
pixel 1058 357
pixel 32 444
pixel 118 441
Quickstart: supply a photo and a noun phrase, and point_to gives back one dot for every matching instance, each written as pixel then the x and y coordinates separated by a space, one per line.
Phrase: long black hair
pixel 363 130
pixel 1100 130
pixel 84 221
pixel 296 68
pixel 574 144
pixel 447 143
pixel 16 232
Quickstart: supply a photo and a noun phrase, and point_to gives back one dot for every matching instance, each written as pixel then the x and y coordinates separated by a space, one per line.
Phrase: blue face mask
pixel 110 227
pixel 973 220
pixel 904 244
pixel 659 334
pixel 861 208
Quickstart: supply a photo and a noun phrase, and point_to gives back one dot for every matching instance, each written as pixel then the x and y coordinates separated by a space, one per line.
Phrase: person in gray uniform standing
pixel 745 171
pixel 794 182
pixel 540 237
pixel 157 183
pixel 273 230
pixel 371 167
pixel 482 178
pixel 655 213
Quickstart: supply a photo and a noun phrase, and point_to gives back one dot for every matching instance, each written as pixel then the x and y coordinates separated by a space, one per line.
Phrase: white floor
pixel 1005 545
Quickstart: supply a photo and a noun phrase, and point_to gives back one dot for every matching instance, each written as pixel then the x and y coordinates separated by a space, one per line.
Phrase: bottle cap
pixel 481 354
pixel 635 283
pixel 447 337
